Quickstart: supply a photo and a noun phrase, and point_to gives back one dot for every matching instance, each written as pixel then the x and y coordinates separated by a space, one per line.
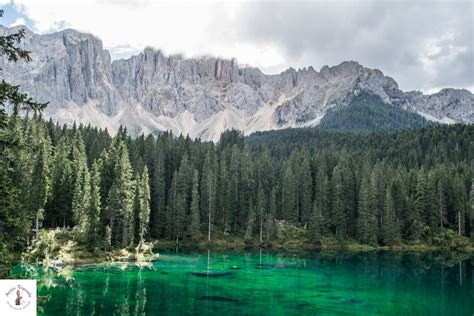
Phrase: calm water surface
pixel 262 283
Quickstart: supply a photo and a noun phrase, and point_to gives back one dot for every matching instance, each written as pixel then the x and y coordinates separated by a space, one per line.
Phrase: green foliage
pixel 81 194
pixel 120 199
pixel 195 226
pixel 390 227
pixel 368 113
pixel 366 219
pixel 329 193
pixel 93 228
pixel 250 223
pixel 15 167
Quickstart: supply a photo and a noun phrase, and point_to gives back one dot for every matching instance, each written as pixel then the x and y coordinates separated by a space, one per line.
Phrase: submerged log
pixel 271 266
pixel 214 298
pixel 212 274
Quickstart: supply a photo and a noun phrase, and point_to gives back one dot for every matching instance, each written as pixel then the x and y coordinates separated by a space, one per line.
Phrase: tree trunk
pixel 37 225
pixel 459 223
pixel 209 225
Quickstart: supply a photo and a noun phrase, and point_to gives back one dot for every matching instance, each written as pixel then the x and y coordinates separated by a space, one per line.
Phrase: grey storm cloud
pixel 422 44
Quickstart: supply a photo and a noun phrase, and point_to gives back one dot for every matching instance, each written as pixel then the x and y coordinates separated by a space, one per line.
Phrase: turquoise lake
pixel 266 283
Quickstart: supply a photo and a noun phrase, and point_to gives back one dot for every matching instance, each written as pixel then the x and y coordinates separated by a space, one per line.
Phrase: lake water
pixel 265 283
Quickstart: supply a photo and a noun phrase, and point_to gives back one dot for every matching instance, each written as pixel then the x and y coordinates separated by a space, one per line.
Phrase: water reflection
pixel 264 283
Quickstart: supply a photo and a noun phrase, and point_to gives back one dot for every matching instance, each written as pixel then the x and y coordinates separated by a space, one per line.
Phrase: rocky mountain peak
pixel 200 96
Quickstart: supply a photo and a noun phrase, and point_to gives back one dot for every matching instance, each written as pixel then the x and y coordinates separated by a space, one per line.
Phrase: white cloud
pixel 19 21
pixel 190 28
pixel 401 39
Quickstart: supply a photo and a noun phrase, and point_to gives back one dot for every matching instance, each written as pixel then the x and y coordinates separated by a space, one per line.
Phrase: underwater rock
pixel 302 305
pixel 214 298
pixel 211 274
pixel 271 266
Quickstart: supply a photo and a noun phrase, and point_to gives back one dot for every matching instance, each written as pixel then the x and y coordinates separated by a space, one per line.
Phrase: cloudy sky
pixel 424 45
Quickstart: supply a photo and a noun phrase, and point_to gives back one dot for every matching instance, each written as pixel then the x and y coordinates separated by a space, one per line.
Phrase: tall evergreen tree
pixel 120 200
pixel 390 229
pixel 366 220
pixel 304 184
pixel 471 209
pixel 40 182
pixel 15 218
pixel 250 223
pixel 420 205
pixel 270 218
pixel 261 210
pixel 233 185
pixel 288 202
pixel 58 210
pixel 141 207
pixel 195 226
pixel 145 204
pixel 459 203
pixel 171 207
pixel 441 204
pixel 158 196
pixel 316 223
pixel 94 229
pixel 339 218
pixel 81 191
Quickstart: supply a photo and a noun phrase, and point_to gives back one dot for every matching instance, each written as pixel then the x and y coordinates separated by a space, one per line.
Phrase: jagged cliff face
pixel 200 97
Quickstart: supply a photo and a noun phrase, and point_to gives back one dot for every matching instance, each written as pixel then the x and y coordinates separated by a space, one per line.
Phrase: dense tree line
pixel 368 113
pixel 119 191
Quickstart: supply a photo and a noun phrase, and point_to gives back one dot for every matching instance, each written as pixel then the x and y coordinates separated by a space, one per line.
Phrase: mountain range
pixel 202 97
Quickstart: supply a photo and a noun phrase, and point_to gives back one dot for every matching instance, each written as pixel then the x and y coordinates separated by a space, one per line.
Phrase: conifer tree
pixel 181 207
pixel 459 204
pixel 261 210
pixel 40 182
pixel 322 196
pixel 366 221
pixel 441 204
pixel 233 184
pixel 305 183
pixel 171 207
pixel 339 220
pixel 195 227
pixel 247 188
pixel 419 206
pixel 157 217
pixel 378 182
pixel 390 229
pixel 136 211
pixel 316 223
pixel 471 209
pixel 250 223
pixel 288 196
pixel 59 206
pixel 94 229
pixel 270 219
pixel 81 190
pixel 145 204
pixel 15 217
pixel 141 207
pixel 179 216
pixel 120 200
